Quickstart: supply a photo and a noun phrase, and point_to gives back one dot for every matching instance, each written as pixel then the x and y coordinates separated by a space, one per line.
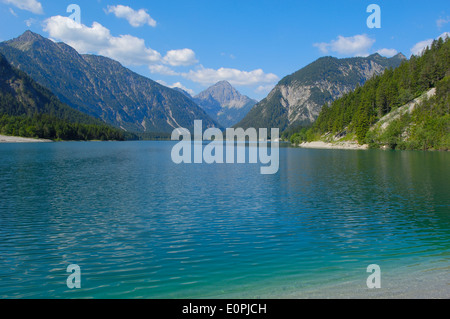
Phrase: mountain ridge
pixel 28 109
pixel 102 87
pixel 298 98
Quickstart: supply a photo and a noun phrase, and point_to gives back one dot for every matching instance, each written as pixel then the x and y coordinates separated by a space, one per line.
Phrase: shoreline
pixel 334 146
pixel 17 139
pixel 429 282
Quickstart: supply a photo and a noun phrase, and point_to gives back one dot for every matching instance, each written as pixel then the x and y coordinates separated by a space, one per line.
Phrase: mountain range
pixel 298 98
pixel 102 87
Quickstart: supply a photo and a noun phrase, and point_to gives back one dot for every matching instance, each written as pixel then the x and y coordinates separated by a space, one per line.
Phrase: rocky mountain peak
pixel 28 36
pixel 223 84
pixel 400 56
pixel 222 91
pixel 27 41
pixel 224 103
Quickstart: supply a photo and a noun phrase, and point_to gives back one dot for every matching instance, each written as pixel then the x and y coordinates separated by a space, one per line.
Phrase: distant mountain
pixel 30 110
pixel 224 103
pixel 102 87
pixel 299 97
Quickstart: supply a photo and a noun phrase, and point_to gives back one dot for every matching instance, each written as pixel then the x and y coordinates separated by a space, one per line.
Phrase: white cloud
pixel 442 21
pixel 12 12
pixel 264 88
pixel 162 69
pixel 28 5
pixel 126 49
pixel 231 56
pixel 181 86
pixel 235 77
pixel 30 22
pixel 323 47
pixel 183 57
pixel 419 47
pixel 358 45
pixel 135 18
pixel 387 52
pixel 130 50
pixel 177 85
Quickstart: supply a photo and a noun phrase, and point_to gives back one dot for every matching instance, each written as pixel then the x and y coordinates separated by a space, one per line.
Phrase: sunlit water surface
pixel 140 226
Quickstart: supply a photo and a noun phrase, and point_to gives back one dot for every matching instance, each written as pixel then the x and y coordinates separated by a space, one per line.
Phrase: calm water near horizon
pixel 140 226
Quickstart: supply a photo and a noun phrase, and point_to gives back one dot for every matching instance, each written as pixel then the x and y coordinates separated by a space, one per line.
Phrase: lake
pixel 140 226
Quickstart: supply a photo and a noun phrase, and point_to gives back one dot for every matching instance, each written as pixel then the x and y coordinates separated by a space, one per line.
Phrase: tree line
pixel 50 127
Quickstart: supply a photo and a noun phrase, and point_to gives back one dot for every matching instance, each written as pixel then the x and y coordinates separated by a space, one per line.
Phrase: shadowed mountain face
pixel 299 97
pixel 28 109
pixel 224 103
pixel 20 95
pixel 102 87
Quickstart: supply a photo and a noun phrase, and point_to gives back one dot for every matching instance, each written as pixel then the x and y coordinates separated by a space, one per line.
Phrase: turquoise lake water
pixel 140 226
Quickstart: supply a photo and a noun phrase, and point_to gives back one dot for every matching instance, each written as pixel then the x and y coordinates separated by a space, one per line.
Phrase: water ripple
pixel 140 226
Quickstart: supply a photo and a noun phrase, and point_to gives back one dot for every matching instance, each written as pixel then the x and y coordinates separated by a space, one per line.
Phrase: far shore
pixel 16 139
pixel 334 146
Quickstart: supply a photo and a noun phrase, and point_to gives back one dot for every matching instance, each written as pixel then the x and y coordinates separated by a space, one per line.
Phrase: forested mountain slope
pixel 426 127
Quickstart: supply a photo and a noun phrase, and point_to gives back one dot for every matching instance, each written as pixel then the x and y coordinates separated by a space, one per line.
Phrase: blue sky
pixel 250 43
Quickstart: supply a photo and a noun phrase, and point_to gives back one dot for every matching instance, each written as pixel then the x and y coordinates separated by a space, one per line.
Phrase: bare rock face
pixel 299 97
pixel 224 103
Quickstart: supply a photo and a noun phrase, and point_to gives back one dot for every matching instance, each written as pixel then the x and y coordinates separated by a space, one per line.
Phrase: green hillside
pixel 426 127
